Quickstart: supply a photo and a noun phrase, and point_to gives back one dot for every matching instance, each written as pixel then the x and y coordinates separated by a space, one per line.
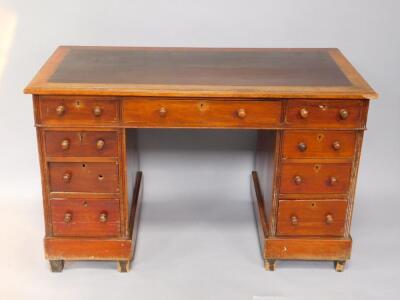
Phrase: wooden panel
pixel 78 110
pixel 311 217
pixel 308 178
pixel 207 72
pixel 324 114
pixel 88 249
pixel 83 177
pixel 318 144
pixel 308 248
pixel 87 217
pixel 81 143
pixel 143 112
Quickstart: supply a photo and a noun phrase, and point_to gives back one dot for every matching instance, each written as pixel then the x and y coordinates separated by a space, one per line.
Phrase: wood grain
pixel 85 217
pixel 140 112
pixel 311 217
pixel 315 178
pixel 81 143
pixel 85 177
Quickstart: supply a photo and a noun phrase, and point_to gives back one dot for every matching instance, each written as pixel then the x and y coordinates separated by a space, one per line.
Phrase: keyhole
pixel 100 177
pixel 83 165
pixel 85 204
pixel 313 204
pixel 320 137
pixel 317 168
pixel 78 103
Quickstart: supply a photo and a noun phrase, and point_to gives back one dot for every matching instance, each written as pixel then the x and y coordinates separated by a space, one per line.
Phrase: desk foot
pixel 123 266
pixel 269 264
pixel 56 266
pixel 339 265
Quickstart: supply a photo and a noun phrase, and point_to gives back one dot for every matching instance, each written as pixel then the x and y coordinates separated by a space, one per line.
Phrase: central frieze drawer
pixel 201 113
pixel 92 177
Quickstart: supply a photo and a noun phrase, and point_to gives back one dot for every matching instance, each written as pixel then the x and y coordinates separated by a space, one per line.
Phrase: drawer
pixel 311 217
pixel 92 177
pixel 324 114
pixel 305 178
pixel 78 110
pixel 88 218
pixel 81 143
pixel 201 113
pixel 318 144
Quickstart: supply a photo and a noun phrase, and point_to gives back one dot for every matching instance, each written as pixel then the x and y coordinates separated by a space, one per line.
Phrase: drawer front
pixel 199 113
pixel 318 144
pixel 311 217
pixel 71 110
pixel 84 177
pixel 305 178
pixel 88 218
pixel 81 143
pixel 324 114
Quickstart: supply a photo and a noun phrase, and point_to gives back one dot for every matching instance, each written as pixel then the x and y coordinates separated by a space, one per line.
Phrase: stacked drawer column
pixel 316 162
pixel 83 177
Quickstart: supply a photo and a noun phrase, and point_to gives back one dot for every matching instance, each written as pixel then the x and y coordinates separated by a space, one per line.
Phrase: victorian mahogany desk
pixel 309 107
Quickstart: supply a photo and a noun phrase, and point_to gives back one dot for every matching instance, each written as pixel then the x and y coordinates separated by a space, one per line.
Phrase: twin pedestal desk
pixel 309 107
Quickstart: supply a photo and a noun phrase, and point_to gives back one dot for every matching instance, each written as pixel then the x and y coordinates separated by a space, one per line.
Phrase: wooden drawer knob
pixel 298 180
pixel 67 176
pixel 336 145
pixel 65 144
pixel 103 217
pixel 333 180
pixel 303 113
pixel 302 146
pixel 241 113
pixel 328 219
pixel 294 220
pixel 68 217
pixel 343 114
pixel 60 110
pixel 100 144
pixel 97 111
pixel 163 112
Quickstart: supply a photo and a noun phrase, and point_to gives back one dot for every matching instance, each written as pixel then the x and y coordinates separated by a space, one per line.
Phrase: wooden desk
pixel 309 107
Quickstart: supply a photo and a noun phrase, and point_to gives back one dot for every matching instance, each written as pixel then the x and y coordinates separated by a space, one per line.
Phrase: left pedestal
pixel 90 180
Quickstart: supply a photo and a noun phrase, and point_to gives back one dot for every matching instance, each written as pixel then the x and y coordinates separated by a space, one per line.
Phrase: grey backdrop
pixel 197 237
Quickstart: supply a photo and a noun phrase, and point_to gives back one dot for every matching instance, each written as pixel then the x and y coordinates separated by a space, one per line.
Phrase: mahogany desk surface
pixel 208 72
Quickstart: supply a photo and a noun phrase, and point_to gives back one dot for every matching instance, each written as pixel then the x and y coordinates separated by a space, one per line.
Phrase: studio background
pixel 197 237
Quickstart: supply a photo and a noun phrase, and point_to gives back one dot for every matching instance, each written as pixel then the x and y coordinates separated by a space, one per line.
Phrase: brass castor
pixel 339 265
pixel 56 265
pixel 123 266
pixel 269 264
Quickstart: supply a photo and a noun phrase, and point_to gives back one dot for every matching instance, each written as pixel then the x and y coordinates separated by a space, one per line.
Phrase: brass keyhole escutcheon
pixel 323 106
pixel 85 204
pixel 100 177
pixel 317 168
pixel 202 106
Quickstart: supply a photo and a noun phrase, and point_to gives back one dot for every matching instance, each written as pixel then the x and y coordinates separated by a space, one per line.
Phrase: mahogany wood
pixel 315 178
pixel 324 114
pixel 200 113
pixel 309 106
pixel 86 217
pixel 84 177
pixel 321 144
pixel 78 110
pixel 313 217
pixel 81 143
